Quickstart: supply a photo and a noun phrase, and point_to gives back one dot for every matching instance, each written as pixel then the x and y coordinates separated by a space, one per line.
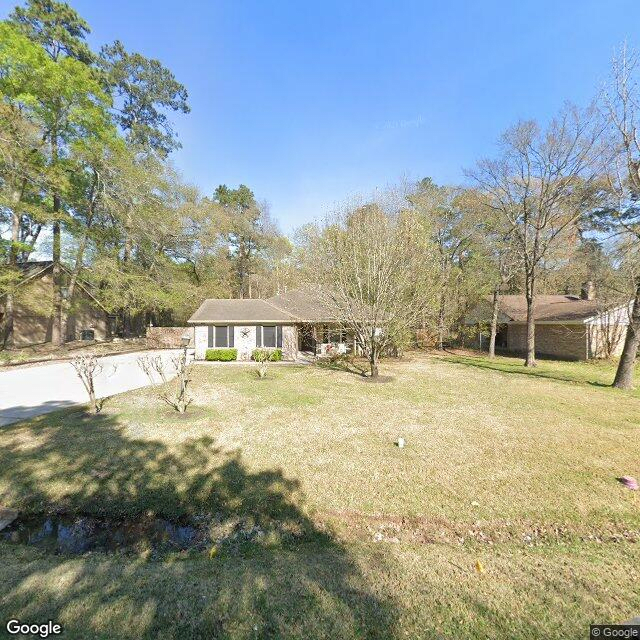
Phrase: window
pixel 269 336
pixel 220 336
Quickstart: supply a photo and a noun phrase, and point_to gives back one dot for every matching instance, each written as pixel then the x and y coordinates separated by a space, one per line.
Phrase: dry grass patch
pixel 517 471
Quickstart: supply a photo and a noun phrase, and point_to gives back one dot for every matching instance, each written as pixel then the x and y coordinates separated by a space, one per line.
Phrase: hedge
pixel 275 354
pixel 223 355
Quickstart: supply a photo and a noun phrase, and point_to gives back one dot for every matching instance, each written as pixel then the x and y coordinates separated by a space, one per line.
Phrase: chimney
pixel 588 291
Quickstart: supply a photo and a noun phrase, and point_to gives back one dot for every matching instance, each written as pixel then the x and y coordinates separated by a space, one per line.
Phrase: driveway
pixel 29 391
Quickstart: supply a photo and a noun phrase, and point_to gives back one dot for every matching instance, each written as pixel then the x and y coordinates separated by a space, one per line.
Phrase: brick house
pixel 296 321
pixel 33 311
pixel 568 327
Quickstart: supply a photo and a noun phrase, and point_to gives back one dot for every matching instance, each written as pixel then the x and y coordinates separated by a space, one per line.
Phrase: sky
pixel 310 104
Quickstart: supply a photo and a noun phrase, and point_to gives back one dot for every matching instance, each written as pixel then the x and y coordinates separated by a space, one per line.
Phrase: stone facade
pixel 244 339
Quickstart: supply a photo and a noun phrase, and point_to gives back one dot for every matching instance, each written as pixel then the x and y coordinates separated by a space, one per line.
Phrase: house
pixel 33 312
pixel 296 321
pixel 568 327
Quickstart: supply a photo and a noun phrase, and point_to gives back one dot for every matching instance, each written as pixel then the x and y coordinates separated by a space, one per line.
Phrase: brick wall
pixel 168 337
pixel 559 340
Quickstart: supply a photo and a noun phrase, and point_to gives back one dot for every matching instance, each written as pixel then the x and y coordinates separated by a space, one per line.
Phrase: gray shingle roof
pixel 298 305
pixel 556 308
pixel 249 310
pixel 306 303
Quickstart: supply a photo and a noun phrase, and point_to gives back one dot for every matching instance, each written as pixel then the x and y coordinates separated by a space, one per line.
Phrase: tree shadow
pixel 345 365
pixel 518 369
pixel 295 580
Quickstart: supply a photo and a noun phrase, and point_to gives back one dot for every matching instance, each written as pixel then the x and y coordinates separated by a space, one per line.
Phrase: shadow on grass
pixel 520 369
pixel 343 364
pixel 295 581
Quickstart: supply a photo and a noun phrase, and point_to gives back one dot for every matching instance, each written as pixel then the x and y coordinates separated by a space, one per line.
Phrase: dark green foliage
pixel 57 27
pixel 142 89
pixel 221 355
pixel 262 355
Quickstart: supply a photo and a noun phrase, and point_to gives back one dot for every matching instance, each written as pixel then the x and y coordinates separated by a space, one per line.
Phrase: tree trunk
pixel 624 374
pixel 127 250
pixel 7 337
pixel 73 279
pixel 531 327
pixel 57 336
pixel 56 331
pixel 441 322
pixel 494 324
pixel 373 355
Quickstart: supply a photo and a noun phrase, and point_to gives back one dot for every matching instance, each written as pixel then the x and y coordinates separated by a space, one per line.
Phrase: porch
pixel 324 340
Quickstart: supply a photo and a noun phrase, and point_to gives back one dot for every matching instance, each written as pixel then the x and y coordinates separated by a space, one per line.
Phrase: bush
pixel 262 355
pixel 222 355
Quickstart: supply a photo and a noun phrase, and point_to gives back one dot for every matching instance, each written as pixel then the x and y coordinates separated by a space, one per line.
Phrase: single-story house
pixel 33 310
pixel 568 327
pixel 297 321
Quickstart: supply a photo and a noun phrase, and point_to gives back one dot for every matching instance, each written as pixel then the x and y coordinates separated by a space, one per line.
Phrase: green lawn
pixel 362 539
pixel 594 372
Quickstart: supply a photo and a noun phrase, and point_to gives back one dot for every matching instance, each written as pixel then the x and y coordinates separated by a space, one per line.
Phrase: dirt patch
pixel 350 525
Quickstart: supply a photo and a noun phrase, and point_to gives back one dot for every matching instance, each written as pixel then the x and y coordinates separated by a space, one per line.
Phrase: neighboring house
pixel 567 326
pixel 296 321
pixel 33 319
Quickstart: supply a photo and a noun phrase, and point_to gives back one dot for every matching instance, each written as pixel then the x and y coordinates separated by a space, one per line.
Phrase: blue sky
pixel 311 103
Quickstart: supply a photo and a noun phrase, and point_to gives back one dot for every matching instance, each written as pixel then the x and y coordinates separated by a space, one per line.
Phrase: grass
pixel 594 372
pixel 366 540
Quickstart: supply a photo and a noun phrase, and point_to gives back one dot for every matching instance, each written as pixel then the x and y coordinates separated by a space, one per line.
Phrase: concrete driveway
pixel 29 391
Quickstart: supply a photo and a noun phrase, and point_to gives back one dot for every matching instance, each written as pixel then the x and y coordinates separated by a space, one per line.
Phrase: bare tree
pixel 622 106
pixel 87 368
pixel 543 183
pixel 180 401
pixel 157 365
pixel 376 266
pixel 153 364
pixel 505 263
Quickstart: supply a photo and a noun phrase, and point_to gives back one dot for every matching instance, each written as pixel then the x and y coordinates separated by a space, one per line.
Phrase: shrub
pixel 222 355
pixel 262 355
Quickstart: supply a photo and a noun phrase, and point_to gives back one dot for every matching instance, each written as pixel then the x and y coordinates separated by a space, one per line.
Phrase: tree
pixel 375 266
pixel 66 101
pixel 622 215
pixel 21 178
pixel 87 368
pixel 452 233
pixel 142 90
pixel 494 239
pixel 248 232
pixel 544 182
pixel 22 174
